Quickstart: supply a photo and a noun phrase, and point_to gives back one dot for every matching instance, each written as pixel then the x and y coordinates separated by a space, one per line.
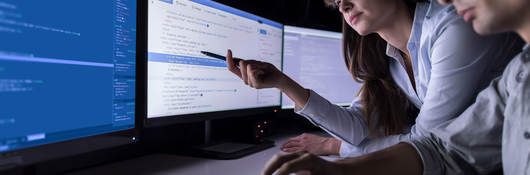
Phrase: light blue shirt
pixel 491 134
pixel 451 64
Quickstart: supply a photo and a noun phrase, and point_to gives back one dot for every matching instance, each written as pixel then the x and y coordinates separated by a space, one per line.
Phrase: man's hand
pixel 300 162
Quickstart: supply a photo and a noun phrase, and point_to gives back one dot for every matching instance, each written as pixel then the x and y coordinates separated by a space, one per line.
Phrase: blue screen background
pixel 88 87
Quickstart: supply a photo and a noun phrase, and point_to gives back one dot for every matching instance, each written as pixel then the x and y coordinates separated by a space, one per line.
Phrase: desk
pixel 161 164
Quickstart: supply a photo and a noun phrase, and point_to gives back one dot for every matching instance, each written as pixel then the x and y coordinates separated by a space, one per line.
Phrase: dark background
pixel 302 13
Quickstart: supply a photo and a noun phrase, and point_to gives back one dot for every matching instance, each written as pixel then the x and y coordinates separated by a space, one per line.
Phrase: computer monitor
pixel 314 59
pixel 67 72
pixel 184 85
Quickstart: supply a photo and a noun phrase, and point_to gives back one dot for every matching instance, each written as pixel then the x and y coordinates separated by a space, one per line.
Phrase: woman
pixel 434 62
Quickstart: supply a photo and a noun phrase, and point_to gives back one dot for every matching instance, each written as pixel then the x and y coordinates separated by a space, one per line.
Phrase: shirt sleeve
pixel 346 124
pixel 348 150
pixel 471 143
pixel 371 145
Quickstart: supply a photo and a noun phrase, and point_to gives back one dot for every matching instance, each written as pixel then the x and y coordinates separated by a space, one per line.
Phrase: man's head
pixel 493 16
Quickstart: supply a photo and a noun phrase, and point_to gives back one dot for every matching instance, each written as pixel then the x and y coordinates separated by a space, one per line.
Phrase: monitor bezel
pixel 195 117
pixel 33 156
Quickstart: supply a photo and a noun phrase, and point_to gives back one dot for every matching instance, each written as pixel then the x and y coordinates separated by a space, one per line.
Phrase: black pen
pixel 210 54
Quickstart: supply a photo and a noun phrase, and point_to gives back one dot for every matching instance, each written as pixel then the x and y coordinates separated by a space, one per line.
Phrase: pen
pixel 210 54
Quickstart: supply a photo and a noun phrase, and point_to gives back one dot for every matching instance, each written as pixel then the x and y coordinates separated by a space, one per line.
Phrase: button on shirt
pixel 451 64
pixel 491 134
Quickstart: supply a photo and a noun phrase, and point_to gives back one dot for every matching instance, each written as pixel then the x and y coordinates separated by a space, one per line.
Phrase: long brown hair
pixel 385 106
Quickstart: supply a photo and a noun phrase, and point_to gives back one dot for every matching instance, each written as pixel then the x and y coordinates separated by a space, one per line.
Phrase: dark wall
pixel 303 13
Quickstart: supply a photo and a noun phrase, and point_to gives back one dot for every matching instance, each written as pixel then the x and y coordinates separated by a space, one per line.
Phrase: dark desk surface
pixel 174 164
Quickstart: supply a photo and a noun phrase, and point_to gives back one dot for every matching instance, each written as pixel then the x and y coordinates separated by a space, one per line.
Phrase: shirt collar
pixel 391 51
pixel 423 10
pixel 415 34
pixel 433 8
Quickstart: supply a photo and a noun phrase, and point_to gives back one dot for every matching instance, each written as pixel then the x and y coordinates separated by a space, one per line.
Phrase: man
pixel 492 134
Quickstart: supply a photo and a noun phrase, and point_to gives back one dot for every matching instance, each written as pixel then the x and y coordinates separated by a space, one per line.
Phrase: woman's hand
pixel 260 75
pixel 313 144
pixel 301 163
pixel 254 73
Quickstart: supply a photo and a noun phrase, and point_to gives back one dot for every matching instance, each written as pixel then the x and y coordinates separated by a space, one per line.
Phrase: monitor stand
pixel 226 150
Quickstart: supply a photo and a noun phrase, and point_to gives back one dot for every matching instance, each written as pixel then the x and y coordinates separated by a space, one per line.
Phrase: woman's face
pixel 368 16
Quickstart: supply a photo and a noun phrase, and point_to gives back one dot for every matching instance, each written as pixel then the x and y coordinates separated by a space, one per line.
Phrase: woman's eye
pixel 338 2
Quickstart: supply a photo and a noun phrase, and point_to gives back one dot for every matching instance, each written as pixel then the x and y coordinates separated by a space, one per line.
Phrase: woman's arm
pixel 346 124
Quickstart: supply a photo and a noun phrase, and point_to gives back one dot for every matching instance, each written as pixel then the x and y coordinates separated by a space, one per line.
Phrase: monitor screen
pixel 67 70
pixel 313 58
pixel 181 80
